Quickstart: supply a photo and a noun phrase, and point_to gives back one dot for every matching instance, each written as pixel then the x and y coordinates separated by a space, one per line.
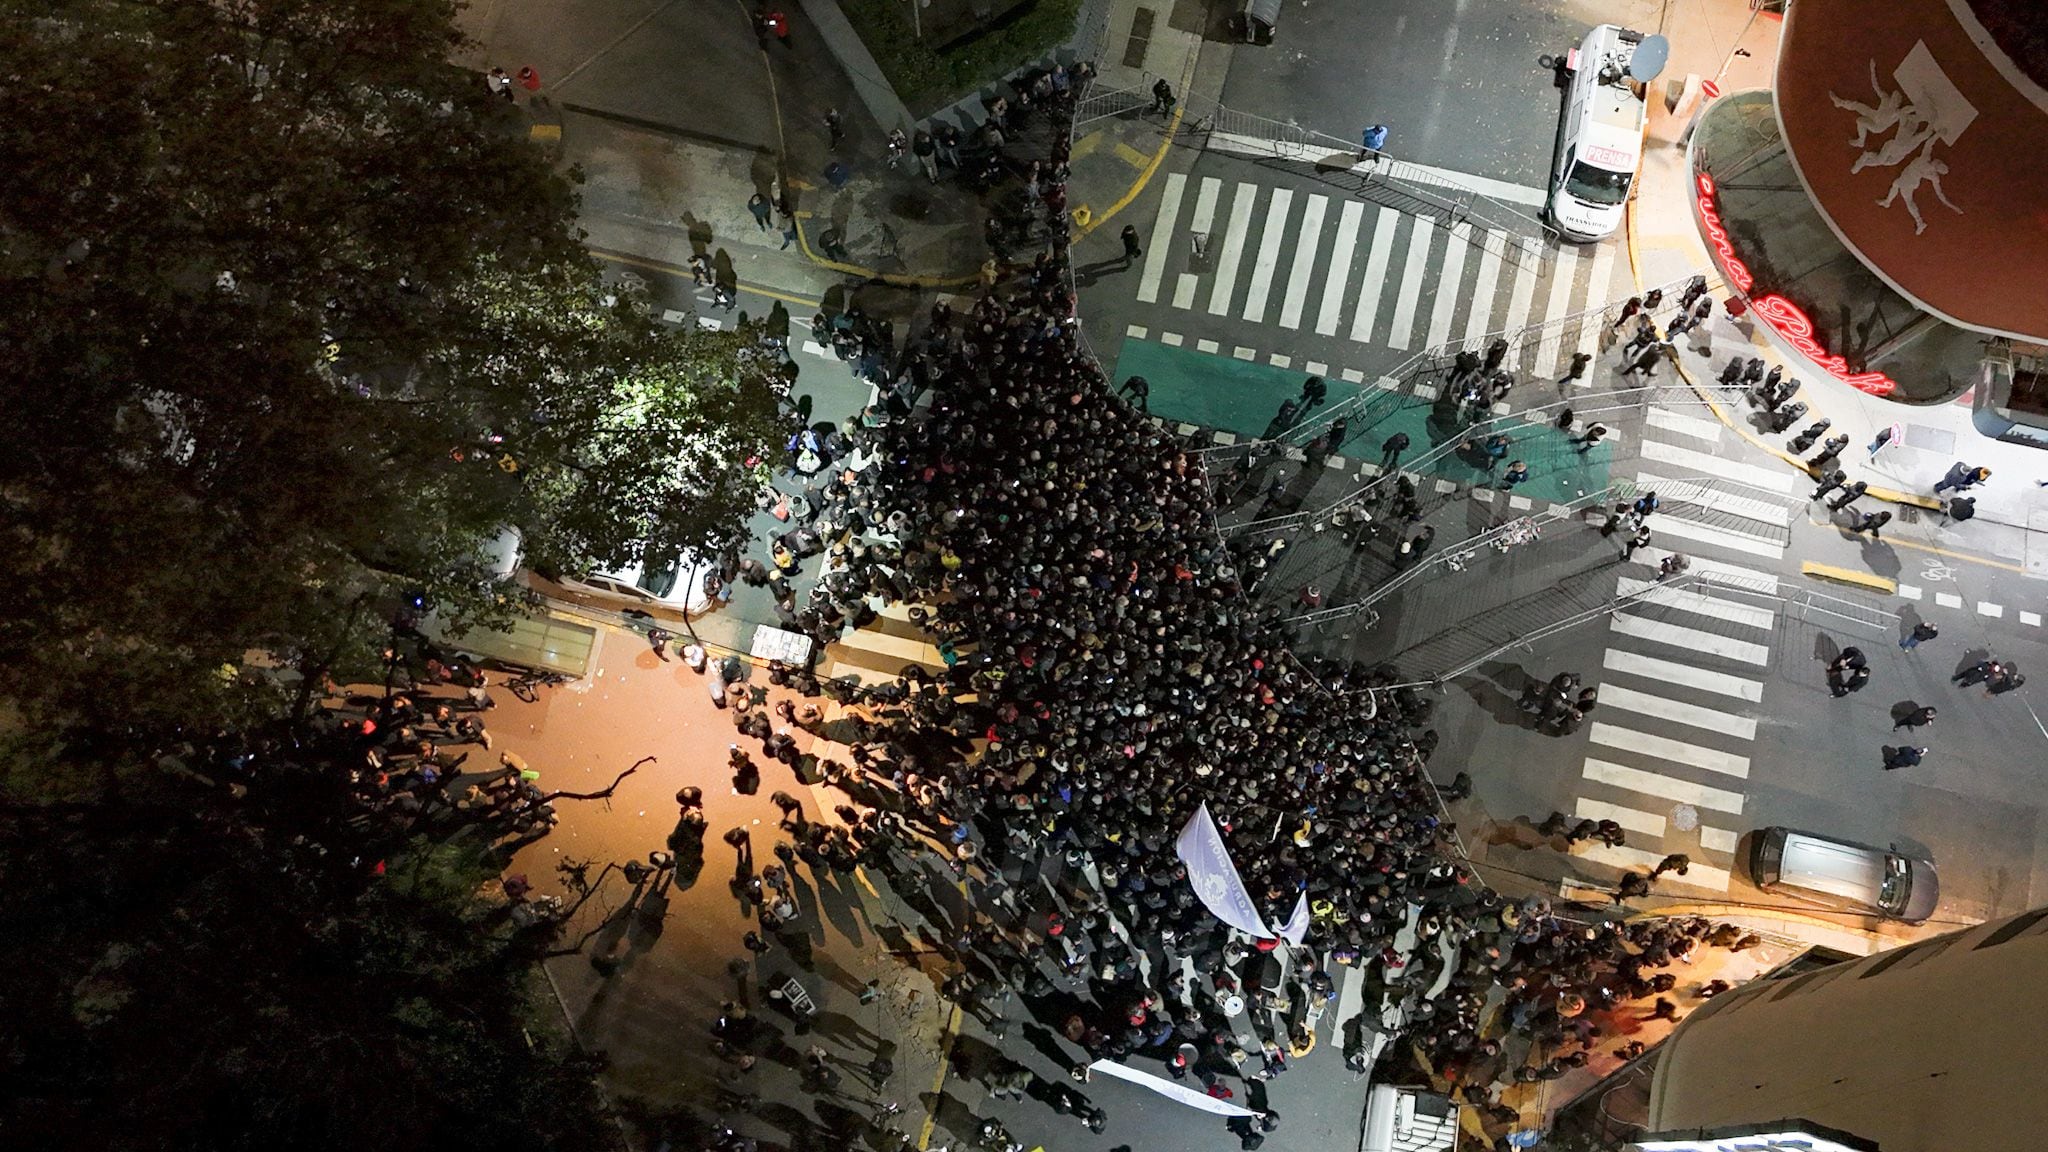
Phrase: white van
pixel 1602 144
pixel 1844 874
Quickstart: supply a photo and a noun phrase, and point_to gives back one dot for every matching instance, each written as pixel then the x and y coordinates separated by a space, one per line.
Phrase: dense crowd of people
pixel 1106 675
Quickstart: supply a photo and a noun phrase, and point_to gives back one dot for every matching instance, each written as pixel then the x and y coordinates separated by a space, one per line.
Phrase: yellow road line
pixel 1086 145
pixel 931 1118
pixel 543 132
pixel 1130 155
pixel 1849 576
pixel 1144 178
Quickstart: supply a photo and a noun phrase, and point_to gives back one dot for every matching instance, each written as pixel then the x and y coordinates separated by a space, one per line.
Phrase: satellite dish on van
pixel 1649 59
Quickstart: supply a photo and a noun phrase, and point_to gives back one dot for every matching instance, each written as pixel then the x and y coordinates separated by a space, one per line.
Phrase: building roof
pixel 1946 116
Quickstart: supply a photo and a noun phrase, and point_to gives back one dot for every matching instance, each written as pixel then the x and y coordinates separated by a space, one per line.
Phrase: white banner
pixel 1214 877
pixel 1297 922
pixel 1170 1089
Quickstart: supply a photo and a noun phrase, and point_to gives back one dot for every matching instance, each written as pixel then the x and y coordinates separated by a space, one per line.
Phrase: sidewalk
pixel 1666 244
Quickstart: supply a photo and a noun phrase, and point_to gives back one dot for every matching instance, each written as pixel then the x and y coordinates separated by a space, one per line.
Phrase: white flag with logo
pixel 1297 923
pixel 1214 877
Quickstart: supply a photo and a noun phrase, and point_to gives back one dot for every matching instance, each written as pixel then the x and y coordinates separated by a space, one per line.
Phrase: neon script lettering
pixel 1790 321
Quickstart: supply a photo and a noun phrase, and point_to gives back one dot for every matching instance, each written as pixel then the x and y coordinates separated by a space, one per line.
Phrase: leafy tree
pixel 296 321
pixel 198 966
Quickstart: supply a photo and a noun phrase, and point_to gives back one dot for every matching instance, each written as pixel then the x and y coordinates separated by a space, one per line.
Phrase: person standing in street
pixel 1162 96
pixel 1914 718
pixel 1977 673
pixel 1641 538
pixel 1634 305
pixel 1870 522
pixel 1877 443
pixel 835 129
pixel 1517 472
pixel 1903 756
pixel 1850 494
pixel 1829 482
pixel 1594 434
pixel 1139 390
pixel 1132 250
pixel 1373 140
pixel 760 206
pixel 1646 360
pixel 1961 477
pixel 927 152
pixel 1921 633
pixel 1390 451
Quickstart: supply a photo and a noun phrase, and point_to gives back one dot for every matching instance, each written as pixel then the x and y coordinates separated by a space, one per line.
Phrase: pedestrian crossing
pixel 1681 684
pixel 1339 266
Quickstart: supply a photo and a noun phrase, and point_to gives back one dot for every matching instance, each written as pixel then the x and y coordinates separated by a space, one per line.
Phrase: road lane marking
pixel 1233 248
pixel 1596 289
pixel 1527 255
pixel 1448 284
pixel 1665 748
pixel 1689 639
pixel 1696 603
pixel 1678 711
pixel 1334 295
pixel 1637 860
pixel 1634 820
pixel 1162 239
pixel 1718 840
pixel 1667 672
pixel 1308 238
pixel 1693 426
pixel 1375 277
pixel 1563 275
pixel 1707 496
pixel 1420 235
pixel 1663 787
pixel 1667 524
pixel 1268 260
pixel 1714 571
pixel 1708 464
pixel 1487 286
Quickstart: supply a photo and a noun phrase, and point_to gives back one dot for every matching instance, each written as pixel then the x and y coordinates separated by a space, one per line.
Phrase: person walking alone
pixel 1829 482
pixel 1915 718
pixel 1961 477
pixel 1578 369
pixel 1594 434
pixel 761 207
pixel 1903 756
pixel 1132 250
pixel 835 129
pixel 1646 361
pixel 1921 633
pixel 1390 451
pixel 1870 522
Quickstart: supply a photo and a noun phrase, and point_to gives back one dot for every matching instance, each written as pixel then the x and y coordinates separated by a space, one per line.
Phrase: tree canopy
pixel 298 319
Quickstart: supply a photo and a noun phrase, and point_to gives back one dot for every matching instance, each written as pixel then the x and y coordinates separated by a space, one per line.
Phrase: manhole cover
pixel 1685 817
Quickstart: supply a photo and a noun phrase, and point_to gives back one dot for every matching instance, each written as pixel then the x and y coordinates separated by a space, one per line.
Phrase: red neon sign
pixel 1781 314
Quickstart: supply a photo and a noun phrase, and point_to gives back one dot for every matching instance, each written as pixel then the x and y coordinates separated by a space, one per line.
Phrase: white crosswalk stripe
pixel 1306 242
pixel 1233 248
pixel 1162 239
pixel 1288 257
pixel 1270 243
pixel 1402 326
pixel 1340 268
pixel 1449 285
pixel 1370 286
pixel 1682 686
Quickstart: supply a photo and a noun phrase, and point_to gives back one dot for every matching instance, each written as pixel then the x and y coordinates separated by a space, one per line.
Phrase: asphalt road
pixel 1460 85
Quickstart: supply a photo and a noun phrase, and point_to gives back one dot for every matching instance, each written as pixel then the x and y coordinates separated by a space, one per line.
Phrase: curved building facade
pixel 1882 206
